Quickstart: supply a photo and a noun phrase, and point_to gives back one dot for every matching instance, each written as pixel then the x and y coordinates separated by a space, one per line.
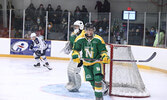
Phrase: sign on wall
pixel 21 47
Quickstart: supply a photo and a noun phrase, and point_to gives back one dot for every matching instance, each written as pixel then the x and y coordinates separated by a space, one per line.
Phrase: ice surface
pixel 19 80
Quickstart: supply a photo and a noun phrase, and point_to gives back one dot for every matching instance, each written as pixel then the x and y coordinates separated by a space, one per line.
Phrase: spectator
pixel 77 13
pixel 27 35
pixel 65 14
pixel 40 22
pixel 40 32
pixel 99 6
pixel 85 14
pixel 58 13
pixel 41 11
pixel 63 24
pixel 101 31
pixel 104 23
pixel 149 39
pixel 153 31
pixel 159 39
pixel 106 6
pixel 30 11
pixel 28 24
pixel 50 12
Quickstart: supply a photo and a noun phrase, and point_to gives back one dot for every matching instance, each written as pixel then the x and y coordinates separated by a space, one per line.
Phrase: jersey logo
pixel 88 76
pixel 89 53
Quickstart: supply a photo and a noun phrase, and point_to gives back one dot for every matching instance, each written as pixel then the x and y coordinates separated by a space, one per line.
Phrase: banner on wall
pixel 21 47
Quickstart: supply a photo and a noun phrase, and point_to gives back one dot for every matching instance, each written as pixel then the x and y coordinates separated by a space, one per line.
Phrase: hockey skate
pixel 105 88
pixel 47 66
pixel 37 65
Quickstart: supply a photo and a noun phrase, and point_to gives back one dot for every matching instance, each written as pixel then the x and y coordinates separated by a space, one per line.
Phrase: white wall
pixel 57 47
pixel 5 46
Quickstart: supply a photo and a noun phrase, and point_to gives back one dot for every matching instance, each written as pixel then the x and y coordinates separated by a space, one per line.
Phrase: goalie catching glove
pixel 105 58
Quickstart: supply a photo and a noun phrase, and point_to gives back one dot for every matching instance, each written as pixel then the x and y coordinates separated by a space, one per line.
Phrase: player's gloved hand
pixel 105 58
pixel 80 64
pixel 31 46
pixel 76 31
pixel 75 57
pixel 38 52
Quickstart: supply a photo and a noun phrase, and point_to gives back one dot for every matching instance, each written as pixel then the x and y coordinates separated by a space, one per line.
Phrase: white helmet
pixel 80 24
pixel 33 35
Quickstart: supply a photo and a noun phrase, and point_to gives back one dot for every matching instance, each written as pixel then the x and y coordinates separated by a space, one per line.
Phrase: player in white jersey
pixel 39 47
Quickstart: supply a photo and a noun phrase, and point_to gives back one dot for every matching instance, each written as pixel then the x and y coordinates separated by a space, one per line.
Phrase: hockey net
pixel 123 77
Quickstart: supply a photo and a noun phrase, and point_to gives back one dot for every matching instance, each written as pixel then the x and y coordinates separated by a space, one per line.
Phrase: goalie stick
pixel 147 60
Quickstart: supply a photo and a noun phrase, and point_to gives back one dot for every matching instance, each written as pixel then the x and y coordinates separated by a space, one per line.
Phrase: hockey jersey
pixel 39 44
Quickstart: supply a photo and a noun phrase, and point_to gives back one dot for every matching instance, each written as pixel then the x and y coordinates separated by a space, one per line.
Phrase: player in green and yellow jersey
pixel 93 48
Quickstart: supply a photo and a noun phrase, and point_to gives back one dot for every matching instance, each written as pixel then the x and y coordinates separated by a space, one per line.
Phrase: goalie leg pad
pixel 74 77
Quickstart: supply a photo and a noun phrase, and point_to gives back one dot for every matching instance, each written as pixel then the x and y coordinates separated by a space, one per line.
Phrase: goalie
pixel 93 48
pixel 74 79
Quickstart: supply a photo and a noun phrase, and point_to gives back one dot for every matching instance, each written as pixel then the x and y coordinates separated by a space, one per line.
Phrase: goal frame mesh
pixel 111 72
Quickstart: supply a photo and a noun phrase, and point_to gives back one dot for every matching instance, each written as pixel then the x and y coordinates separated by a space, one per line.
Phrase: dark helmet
pixel 89 26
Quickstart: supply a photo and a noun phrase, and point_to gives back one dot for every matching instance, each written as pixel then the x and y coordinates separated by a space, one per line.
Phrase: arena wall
pixel 159 63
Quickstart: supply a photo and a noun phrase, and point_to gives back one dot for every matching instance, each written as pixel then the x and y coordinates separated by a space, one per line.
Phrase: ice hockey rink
pixel 19 80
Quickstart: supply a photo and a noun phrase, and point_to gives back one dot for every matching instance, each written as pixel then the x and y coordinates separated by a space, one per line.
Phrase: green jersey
pixel 91 49
pixel 73 37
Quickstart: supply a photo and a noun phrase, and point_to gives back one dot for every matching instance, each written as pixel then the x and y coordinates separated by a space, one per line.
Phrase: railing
pixel 53 25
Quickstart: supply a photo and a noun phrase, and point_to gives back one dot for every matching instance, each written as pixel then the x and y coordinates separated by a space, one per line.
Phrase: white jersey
pixel 39 44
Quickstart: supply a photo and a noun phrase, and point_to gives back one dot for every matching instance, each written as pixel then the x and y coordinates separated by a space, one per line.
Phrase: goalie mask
pixel 78 26
pixel 89 30
pixel 79 23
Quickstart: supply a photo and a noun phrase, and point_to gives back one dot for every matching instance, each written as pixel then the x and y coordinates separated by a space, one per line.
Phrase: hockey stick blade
pixel 149 59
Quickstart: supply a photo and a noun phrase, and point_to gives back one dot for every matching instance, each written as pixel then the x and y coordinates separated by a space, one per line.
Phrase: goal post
pixel 123 78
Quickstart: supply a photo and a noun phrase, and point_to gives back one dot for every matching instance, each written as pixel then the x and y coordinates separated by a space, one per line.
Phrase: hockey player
pixel 39 47
pixel 74 78
pixel 93 48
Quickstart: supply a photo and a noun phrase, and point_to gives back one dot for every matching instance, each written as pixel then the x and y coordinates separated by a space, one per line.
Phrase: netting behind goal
pixel 123 77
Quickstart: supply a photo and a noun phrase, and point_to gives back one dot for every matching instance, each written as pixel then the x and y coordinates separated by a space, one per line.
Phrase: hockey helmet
pixel 79 23
pixel 89 26
pixel 33 35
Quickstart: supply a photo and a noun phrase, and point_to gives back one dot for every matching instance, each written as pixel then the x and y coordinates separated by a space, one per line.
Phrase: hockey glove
pixel 38 52
pixel 75 56
pixel 105 58
pixel 31 46
pixel 80 64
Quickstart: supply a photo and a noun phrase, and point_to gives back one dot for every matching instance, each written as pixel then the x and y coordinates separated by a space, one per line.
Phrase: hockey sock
pixel 98 85
pixel 37 59
pixel 44 59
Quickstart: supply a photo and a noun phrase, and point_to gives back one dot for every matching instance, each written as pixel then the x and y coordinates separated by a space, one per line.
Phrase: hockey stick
pixel 147 60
